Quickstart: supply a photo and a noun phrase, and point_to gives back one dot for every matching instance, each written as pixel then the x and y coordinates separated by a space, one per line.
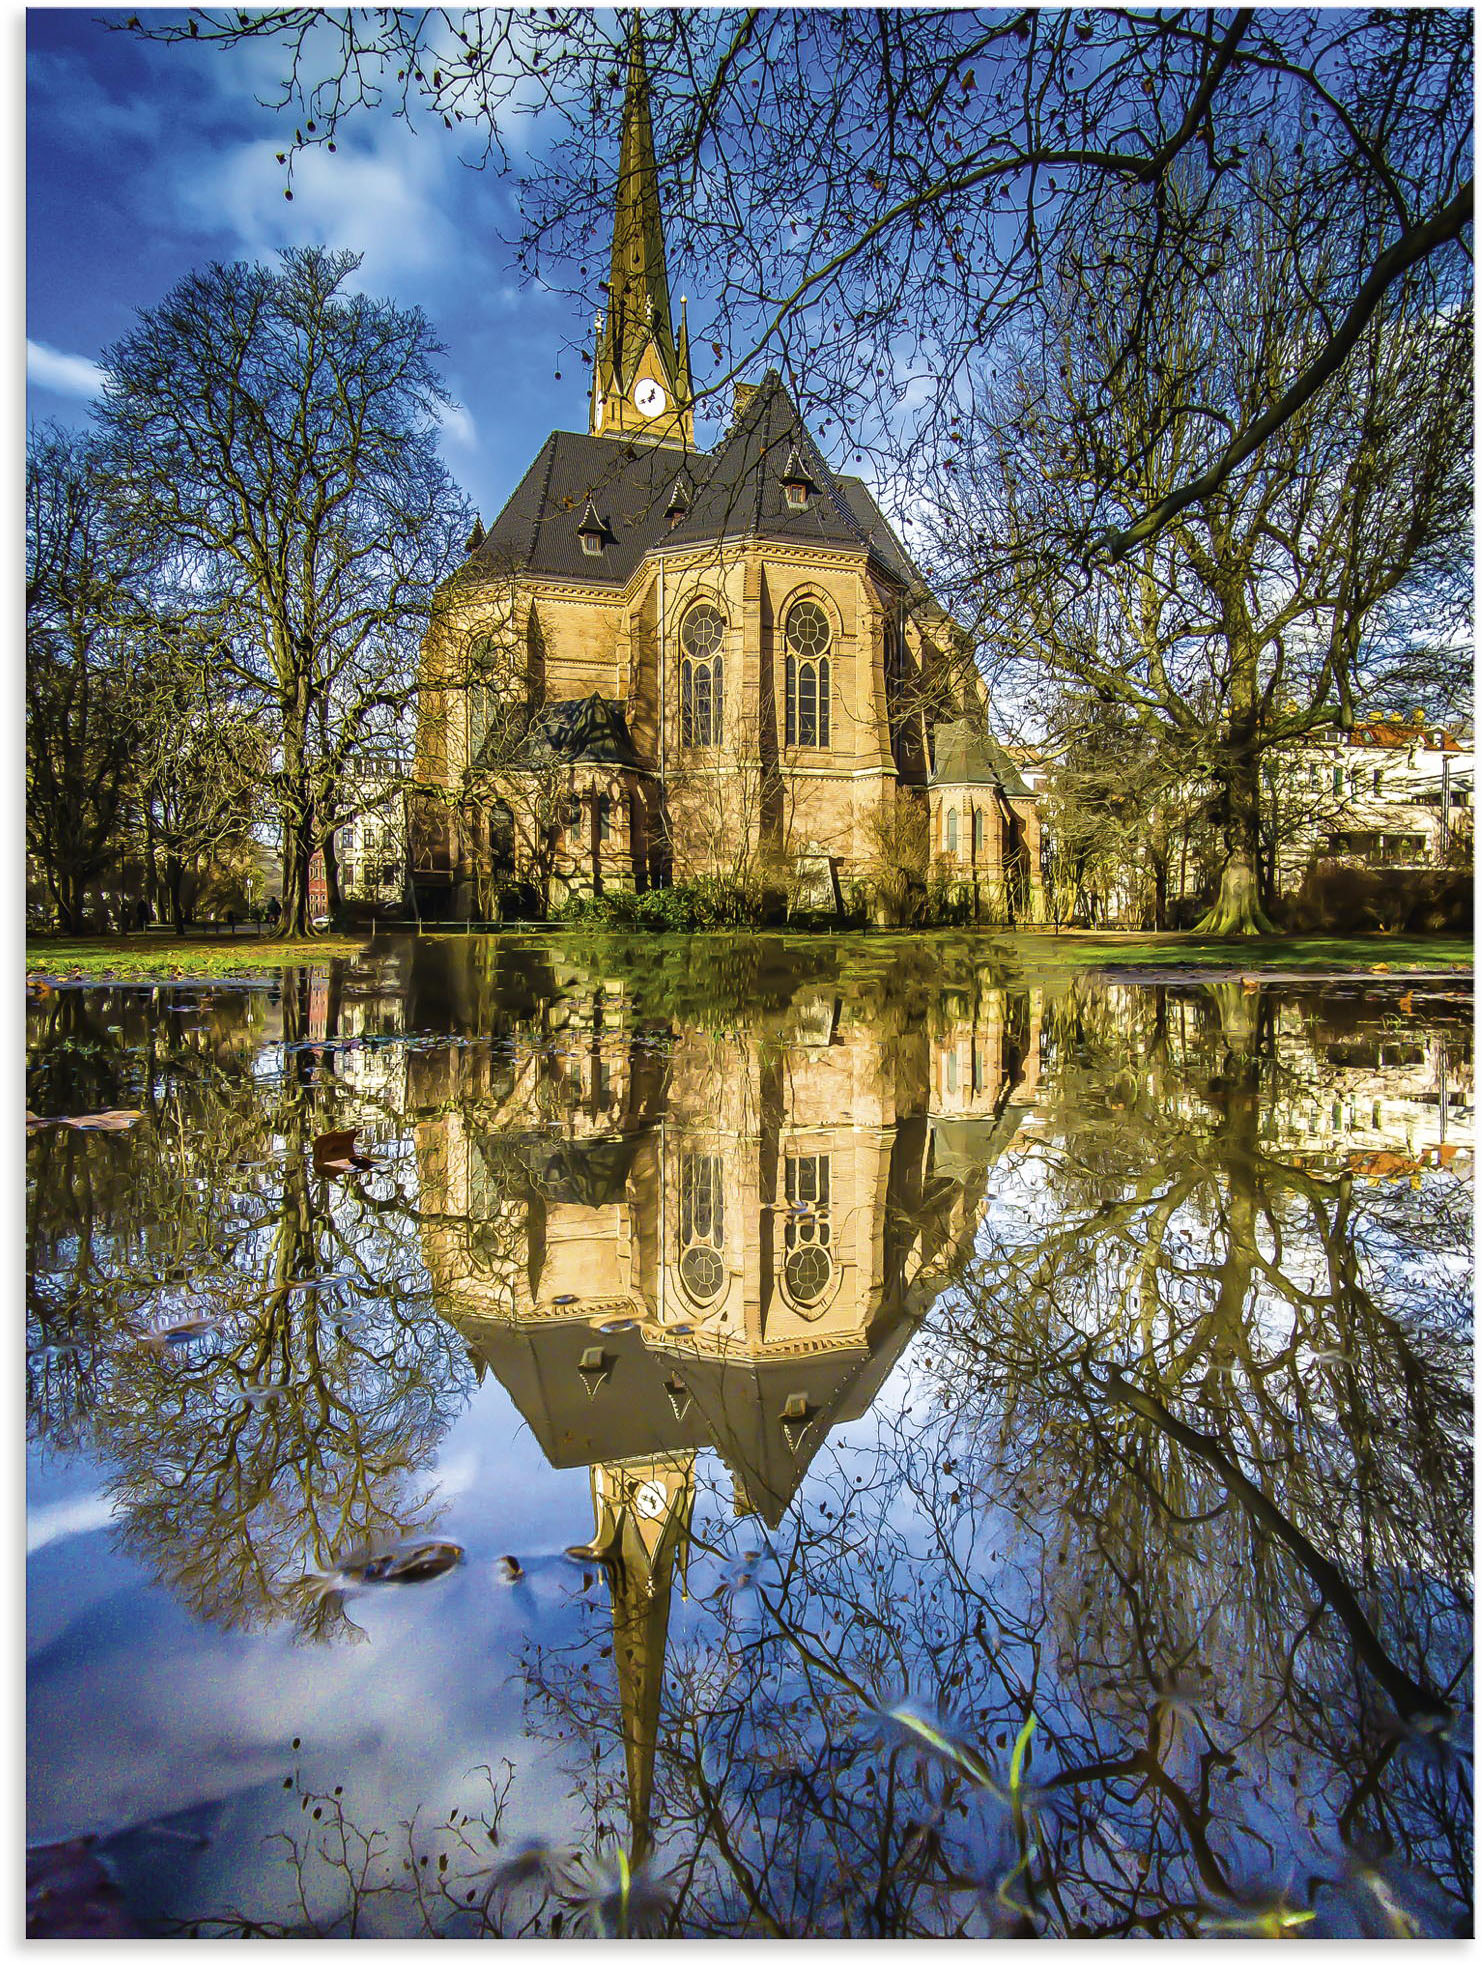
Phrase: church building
pixel 660 663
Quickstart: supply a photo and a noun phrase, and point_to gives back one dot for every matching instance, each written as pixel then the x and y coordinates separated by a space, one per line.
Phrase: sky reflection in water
pixel 976 1457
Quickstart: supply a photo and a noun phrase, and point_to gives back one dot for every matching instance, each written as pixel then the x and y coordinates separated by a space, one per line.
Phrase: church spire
pixel 642 1510
pixel 641 374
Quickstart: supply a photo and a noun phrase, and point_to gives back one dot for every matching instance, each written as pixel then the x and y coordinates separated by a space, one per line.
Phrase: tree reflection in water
pixel 1137 1601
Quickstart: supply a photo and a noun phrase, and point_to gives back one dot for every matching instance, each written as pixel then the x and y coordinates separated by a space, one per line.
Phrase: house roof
pixel 735 490
pixel 965 754
pixel 1384 734
pixel 582 730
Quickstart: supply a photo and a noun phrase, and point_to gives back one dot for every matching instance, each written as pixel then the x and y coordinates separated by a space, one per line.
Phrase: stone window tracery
pixel 702 1225
pixel 807 638
pixel 701 676
pixel 808 1261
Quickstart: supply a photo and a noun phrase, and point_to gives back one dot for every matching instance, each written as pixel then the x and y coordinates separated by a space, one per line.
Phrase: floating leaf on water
pixel 334 1153
pixel 564 1299
pixel 94 1122
pixel 616 1324
pixel 184 1331
pixel 509 1570
pixel 416 1562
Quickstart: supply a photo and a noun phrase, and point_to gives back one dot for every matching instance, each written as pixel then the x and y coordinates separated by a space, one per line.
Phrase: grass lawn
pixel 1281 954
pixel 168 958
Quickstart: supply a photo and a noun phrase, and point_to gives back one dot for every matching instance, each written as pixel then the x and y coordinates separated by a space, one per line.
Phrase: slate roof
pixel 584 730
pixel 965 754
pixel 738 487
pixel 734 491
pixel 628 486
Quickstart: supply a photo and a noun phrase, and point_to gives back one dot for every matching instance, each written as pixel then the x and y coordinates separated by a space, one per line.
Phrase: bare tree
pixel 86 582
pixel 1248 620
pixel 198 762
pixel 275 434
pixel 879 195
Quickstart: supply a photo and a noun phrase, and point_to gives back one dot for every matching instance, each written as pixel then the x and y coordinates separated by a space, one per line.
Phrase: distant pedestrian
pixel 143 915
pixel 231 921
pixel 275 912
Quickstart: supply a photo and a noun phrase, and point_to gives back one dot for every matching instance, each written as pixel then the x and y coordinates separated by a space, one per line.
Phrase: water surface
pixel 752 1438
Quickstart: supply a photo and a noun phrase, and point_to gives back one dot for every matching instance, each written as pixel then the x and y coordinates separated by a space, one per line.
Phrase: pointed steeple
pixel 641 372
pixel 642 1510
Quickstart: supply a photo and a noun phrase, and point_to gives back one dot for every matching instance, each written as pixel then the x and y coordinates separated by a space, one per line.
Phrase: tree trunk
pixel 175 890
pixel 71 900
pixel 1237 909
pixel 297 852
pixel 1160 892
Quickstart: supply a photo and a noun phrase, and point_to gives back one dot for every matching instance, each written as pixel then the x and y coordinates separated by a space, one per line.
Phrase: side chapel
pixel 660 662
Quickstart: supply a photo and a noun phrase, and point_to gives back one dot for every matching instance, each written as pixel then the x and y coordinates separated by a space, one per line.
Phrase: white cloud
pixel 68 375
pixel 58 1520
pixel 388 200
pixel 458 426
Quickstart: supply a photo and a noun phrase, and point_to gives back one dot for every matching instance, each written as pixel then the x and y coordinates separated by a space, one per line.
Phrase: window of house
pixel 573 815
pixel 701 675
pixel 1338 779
pixel 1378 780
pixel 604 816
pixel 702 1225
pixel 808 1264
pixel 952 832
pixel 1314 776
pixel 807 640
pixel 977 831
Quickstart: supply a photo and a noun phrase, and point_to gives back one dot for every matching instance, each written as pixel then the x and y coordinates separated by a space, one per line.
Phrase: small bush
pixel 684 908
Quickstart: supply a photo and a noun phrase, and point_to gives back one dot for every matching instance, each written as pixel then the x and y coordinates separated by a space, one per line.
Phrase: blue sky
pixel 144 162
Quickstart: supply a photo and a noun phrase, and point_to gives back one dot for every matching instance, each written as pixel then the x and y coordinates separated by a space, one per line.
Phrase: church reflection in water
pixel 677 1241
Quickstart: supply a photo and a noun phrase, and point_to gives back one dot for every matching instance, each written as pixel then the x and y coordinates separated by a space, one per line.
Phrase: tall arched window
pixel 952 831
pixel 807 638
pixel 702 1225
pixel 808 1265
pixel 701 675
pixel 978 830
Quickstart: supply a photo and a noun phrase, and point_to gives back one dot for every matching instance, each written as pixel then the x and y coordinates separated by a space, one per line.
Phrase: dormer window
pixel 592 532
pixel 678 507
pixel 797 486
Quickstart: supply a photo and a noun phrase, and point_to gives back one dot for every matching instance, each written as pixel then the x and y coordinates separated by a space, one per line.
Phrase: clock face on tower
pixel 648 397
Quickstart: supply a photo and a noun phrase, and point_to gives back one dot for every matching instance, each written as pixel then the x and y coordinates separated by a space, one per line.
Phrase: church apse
pixel 680 1247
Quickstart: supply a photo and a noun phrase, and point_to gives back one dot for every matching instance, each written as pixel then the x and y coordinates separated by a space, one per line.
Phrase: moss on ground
pixel 169 958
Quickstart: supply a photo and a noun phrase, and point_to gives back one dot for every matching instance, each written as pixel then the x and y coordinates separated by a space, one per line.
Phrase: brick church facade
pixel 660 663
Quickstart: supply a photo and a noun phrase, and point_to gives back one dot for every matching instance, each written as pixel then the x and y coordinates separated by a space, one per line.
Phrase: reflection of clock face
pixel 651 1500
pixel 648 398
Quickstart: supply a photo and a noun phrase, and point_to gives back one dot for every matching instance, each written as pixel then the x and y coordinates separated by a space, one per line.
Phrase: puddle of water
pixel 863 1447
